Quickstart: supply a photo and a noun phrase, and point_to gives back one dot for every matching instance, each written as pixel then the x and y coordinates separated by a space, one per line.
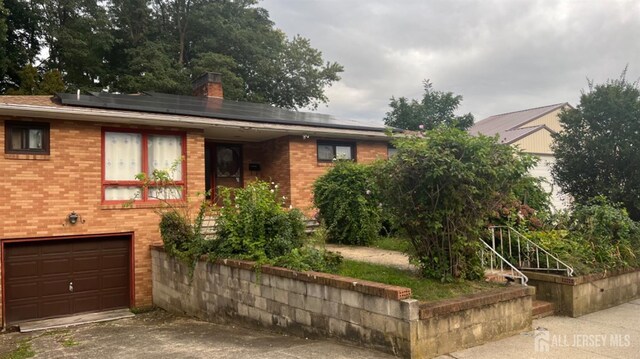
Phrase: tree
pixel 31 83
pixel 441 188
pixel 3 40
pixel 598 151
pixel 159 45
pixel 23 43
pixel 76 33
pixel 436 108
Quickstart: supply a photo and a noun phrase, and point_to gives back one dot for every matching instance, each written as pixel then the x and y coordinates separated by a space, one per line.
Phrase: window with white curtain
pixel 127 154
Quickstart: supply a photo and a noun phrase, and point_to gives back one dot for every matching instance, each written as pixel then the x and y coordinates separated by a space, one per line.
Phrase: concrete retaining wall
pixel 324 305
pixel 582 295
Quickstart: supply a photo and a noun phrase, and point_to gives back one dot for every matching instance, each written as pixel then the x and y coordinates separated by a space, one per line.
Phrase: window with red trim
pixel 126 153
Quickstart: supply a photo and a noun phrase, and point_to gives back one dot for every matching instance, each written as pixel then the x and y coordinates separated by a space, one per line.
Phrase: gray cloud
pixel 500 55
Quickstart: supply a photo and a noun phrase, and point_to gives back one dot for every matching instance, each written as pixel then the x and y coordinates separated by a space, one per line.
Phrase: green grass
pixel 421 289
pixel 23 351
pixel 391 243
pixel 69 342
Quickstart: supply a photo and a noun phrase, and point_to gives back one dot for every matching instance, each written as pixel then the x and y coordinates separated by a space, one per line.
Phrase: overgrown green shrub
pixel 310 258
pixel 441 187
pixel 181 238
pixel 348 203
pixel 596 237
pixel 253 225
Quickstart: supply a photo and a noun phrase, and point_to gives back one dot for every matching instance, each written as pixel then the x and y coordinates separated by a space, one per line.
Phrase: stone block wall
pixel 577 296
pixel 324 305
pixel 451 325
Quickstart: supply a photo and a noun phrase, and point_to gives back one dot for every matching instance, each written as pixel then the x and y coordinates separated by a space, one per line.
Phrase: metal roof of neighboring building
pixel 509 126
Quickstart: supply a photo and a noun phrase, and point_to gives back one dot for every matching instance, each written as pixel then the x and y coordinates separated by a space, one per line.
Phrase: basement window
pixel 24 137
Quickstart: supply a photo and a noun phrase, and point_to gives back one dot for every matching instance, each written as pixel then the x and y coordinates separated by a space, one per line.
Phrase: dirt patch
pixel 373 255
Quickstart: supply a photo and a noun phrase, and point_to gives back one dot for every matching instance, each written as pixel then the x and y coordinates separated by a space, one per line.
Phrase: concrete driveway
pixel 158 334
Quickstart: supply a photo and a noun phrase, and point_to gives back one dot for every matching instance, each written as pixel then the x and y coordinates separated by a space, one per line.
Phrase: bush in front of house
pixel 441 187
pixel 348 203
pixel 597 236
pixel 181 237
pixel 252 224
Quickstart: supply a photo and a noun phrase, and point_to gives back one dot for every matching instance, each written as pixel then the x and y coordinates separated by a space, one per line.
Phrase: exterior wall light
pixel 73 217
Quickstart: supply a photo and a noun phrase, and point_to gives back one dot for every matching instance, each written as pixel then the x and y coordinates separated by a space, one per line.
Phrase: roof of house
pixel 38 100
pixel 219 118
pixel 511 126
pixel 210 108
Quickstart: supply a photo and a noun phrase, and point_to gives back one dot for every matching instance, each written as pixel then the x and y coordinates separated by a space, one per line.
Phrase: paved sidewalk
pixel 373 255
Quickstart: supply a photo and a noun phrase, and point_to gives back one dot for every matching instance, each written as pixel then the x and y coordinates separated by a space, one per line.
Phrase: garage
pixel 59 277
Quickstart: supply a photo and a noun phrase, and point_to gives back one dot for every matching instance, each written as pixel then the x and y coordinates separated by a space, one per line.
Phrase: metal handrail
pixel 526 249
pixel 512 272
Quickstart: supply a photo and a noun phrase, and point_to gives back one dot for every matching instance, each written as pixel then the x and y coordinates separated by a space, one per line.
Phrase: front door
pixel 223 167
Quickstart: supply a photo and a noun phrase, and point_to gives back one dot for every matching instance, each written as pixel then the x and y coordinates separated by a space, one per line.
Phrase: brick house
pixel 67 243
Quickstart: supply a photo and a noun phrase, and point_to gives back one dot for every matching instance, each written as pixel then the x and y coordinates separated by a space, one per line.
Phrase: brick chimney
pixel 209 84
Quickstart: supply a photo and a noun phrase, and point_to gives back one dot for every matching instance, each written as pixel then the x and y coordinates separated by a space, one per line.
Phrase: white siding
pixel 543 169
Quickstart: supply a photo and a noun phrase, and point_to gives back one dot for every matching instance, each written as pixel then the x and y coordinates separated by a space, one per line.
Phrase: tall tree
pixel 159 45
pixel 597 153
pixel 177 16
pixel 22 45
pixel 76 33
pixel 3 40
pixel 434 109
pixel 32 83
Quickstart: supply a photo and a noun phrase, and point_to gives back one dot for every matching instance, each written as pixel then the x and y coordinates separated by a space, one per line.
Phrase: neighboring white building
pixel 531 131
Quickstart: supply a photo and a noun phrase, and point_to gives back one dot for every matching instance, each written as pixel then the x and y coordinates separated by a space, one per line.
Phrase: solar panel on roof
pixel 210 107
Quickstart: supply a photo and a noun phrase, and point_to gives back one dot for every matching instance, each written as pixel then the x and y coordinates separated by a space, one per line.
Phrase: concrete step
pixel 541 309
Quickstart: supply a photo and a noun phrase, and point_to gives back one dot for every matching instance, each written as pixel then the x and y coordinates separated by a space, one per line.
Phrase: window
pixel 391 151
pixel 22 137
pixel 125 154
pixel 328 151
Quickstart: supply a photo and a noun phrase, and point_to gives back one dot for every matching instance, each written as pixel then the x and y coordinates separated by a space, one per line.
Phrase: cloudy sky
pixel 500 55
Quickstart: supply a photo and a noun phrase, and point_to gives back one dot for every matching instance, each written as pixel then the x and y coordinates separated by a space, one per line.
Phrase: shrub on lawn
pixel 441 187
pixel 348 203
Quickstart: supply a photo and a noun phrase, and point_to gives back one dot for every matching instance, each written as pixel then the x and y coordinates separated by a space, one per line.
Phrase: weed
pixel 23 351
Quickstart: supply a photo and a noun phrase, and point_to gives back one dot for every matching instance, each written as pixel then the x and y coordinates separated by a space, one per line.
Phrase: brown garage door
pixel 59 277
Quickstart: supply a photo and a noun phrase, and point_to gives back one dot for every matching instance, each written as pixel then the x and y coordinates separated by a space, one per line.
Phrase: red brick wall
pixel 305 168
pixel 276 165
pixel 36 195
